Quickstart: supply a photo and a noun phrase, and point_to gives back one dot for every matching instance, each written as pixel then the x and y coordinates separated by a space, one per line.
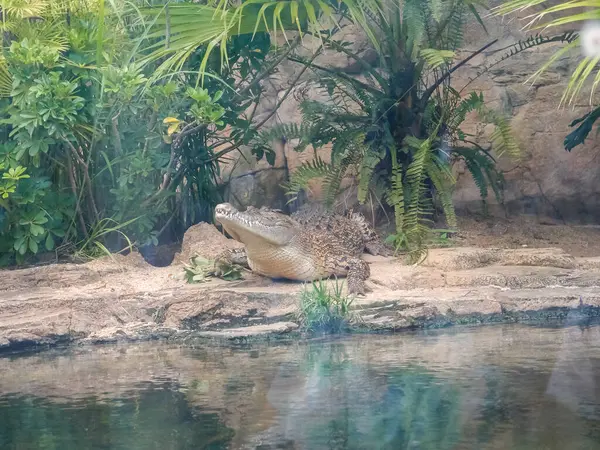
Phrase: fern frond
pixel 310 170
pixel 484 172
pixel 442 180
pixel 473 102
pixel 418 208
pixel 365 174
pixel 395 195
pixel 415 18
pixel 436 58
pixel 454 33
pixel 478 178
pixel 502 139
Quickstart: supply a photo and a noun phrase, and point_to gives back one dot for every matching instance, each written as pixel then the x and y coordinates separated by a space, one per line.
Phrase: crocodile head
pixel 255 226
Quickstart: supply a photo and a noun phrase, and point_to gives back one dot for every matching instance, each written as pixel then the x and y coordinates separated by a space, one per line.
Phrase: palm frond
pixel 579 76
pixel 538 17
pixel 49 33
pixel 5 79
pixel 179 28
pixel 24 9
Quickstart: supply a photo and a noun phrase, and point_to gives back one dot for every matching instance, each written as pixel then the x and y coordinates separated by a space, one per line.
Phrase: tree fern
pixel 396 139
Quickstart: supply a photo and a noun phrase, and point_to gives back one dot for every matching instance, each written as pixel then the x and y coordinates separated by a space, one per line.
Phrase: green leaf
pixel 19 242
pixel 33 246
pixel 36 230
pixel 40 218
pixel 58 232
pixel 49 242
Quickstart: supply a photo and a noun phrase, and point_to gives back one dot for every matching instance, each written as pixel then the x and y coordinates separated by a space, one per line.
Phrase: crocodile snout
pixel 224 210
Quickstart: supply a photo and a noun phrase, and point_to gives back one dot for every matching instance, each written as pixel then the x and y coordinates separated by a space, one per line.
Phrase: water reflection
pixel 497 387
pixel 157 418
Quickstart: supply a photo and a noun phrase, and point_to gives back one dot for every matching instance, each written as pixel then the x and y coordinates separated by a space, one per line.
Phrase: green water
pixel 495 387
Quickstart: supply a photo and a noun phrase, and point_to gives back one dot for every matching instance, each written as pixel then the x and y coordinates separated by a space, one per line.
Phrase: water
pixel 495 387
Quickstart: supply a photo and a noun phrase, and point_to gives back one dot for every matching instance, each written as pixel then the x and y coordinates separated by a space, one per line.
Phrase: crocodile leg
pixel 231 256
pixel 376 247
pixel 358 272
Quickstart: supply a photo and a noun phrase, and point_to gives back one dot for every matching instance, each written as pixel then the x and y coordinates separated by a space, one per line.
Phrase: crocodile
pixel 308 245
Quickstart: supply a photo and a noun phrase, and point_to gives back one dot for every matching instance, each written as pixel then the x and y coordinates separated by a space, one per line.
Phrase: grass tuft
pixel 322 309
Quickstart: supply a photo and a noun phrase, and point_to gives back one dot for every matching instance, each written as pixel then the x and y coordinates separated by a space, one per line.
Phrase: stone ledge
pixel 124 299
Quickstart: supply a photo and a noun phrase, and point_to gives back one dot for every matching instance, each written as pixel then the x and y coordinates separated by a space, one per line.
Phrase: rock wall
pixel 549 182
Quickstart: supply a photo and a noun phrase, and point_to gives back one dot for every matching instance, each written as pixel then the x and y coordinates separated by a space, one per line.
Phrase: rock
pixel 203 240
pixel 251 331
pixel 126 299
pixel 547 183
pixel 472 258
pixel 261 188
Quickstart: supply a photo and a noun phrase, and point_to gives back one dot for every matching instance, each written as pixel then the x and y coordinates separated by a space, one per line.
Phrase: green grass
pixel 322 309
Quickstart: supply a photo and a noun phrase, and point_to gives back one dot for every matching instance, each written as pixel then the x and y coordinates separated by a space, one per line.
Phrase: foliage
pixel 399 131
pixel 584 128
pixel 201 270
pixel 113 160
pixel 324 310
pixel 180 28
pixel 550 16
pixel 570 13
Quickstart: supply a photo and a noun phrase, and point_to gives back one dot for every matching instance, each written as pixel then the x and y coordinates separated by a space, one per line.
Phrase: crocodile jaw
pixel 254 227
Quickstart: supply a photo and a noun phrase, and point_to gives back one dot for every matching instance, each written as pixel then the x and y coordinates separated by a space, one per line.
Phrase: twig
pixel 273 112
pixel 86 177
pixel 187 130
pixel 480 148
pixel 70 169
pixel 153 120
pixel 427 94
pixel 167 223
pixel 337 74
pixel 269 69
pixel 116 135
